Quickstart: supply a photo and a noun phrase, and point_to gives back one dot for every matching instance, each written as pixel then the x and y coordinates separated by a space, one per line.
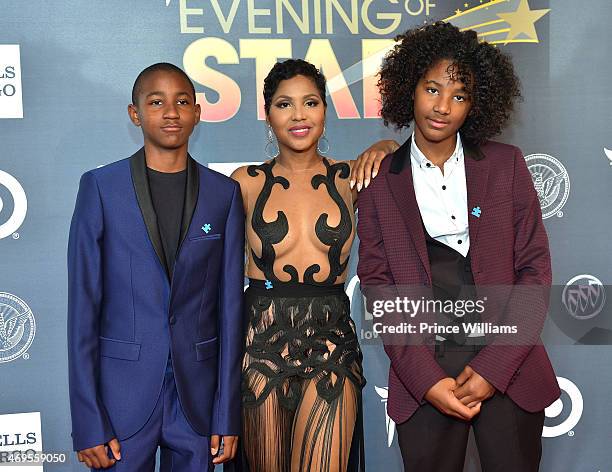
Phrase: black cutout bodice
pixel 270 233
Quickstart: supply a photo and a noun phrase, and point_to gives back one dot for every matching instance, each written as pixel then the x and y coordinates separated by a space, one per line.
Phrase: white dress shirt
pixel 442 198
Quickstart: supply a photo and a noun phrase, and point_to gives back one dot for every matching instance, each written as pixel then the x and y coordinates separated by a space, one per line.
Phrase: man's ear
pixel 198 112
pixel 133 114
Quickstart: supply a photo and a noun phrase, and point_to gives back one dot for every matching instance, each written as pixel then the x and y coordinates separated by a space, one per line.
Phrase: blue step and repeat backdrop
pixel 66 72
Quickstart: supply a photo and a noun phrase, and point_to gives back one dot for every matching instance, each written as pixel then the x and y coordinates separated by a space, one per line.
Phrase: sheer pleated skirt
pixel 302 380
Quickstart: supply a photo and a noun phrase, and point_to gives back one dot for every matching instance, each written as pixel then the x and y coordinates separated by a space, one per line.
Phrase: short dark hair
pixel 160 66
pixel 488 75
pixel 287 70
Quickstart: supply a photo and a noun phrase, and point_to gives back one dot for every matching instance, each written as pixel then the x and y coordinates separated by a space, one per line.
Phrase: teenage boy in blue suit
pixel 155 268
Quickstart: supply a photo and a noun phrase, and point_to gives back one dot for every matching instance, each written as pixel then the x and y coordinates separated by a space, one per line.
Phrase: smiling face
pixel 297 114
pixel 441 104
pixel 165 110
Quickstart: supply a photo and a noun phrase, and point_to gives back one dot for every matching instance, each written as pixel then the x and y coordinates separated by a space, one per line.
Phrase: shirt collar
pixel 419 159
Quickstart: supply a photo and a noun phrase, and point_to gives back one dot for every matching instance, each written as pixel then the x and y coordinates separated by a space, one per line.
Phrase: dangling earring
pixel 272 150
pixel 323 144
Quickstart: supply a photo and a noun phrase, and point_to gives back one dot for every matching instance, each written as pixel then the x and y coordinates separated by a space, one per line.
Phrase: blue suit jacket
pixel 125 316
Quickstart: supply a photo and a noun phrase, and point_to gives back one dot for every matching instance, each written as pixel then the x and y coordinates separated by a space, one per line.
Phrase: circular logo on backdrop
pixel 17 327
pixel 20 206
pixel 554 411
pixel 551 182
pixel 584 296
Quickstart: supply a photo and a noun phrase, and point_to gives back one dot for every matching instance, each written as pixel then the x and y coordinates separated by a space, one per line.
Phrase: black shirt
pixel 168 195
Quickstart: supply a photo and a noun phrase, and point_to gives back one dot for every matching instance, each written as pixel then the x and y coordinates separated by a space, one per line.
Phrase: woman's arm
pixel 366 166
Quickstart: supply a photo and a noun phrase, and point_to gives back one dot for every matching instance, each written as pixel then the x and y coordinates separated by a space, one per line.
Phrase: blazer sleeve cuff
pixel 228 427
pixel 418 370
pixel 425 382
pixel 85 441
pixel 499 364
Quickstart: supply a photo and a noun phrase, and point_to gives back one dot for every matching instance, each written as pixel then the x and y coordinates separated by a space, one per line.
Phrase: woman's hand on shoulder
pixel 365 168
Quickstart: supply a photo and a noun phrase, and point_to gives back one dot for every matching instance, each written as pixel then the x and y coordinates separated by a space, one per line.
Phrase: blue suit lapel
pixel 138 168
pixel 192 191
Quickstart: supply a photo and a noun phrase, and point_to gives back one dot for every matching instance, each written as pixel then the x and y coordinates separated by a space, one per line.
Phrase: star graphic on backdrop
pixel 523 20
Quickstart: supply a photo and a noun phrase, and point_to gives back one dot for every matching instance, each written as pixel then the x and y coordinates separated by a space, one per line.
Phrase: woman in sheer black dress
pixel 302 372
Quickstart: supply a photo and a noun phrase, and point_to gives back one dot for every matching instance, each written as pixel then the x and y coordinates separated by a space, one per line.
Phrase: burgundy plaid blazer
pixel 508 246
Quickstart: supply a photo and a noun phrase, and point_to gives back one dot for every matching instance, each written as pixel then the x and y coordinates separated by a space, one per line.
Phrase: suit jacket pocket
pixel 206 349
pixel 205 236
pixel 118 349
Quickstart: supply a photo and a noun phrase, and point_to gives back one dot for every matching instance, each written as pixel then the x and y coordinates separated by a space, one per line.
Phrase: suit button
pixel 172 320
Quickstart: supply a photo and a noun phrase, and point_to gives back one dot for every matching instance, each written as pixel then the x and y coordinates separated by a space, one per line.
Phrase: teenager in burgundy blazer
pixel 508 246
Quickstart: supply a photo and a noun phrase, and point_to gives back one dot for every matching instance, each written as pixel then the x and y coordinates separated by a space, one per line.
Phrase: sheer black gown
pixel 302 372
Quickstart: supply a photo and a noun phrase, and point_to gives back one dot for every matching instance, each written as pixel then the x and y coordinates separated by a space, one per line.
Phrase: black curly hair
pixel 487 73
pixel 287 70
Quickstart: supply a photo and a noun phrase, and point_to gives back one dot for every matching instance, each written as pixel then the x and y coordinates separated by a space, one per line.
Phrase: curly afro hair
pixel 487 73
pixel 287 70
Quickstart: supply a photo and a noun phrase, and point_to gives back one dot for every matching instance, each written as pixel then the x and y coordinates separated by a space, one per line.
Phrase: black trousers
pixel 509 439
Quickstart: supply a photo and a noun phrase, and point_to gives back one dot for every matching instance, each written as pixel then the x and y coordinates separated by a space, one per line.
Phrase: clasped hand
pixel 97 457
pixel 461 397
